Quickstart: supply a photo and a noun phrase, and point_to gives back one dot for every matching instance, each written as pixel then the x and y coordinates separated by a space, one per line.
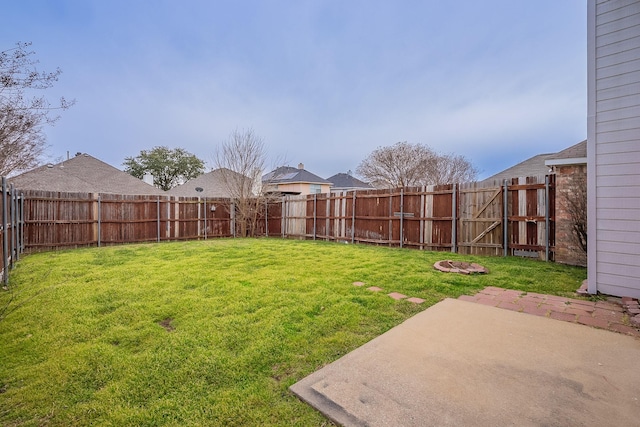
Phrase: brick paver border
pixel 599 314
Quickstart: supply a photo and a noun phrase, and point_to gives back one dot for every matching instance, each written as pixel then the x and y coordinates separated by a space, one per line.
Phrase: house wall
pixel 571 181
pixel 613 147
pixel 301 188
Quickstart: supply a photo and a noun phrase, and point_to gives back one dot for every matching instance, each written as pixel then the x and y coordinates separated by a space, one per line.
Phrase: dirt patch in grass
pixel 166 324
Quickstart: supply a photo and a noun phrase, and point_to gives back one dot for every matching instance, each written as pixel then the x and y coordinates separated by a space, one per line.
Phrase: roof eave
pixel 568 161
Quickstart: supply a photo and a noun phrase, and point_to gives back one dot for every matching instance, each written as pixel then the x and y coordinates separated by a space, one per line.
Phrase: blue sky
pixel 322 82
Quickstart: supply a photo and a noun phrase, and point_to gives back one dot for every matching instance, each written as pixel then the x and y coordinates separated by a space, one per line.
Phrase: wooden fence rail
pixel 508 218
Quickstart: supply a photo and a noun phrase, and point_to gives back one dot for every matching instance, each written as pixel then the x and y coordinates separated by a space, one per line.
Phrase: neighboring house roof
pixel 540 164
pixel 212 183
pixel 576 154
pixel 533 166
pixel 291 175
pixel 83 174
pixel 344 181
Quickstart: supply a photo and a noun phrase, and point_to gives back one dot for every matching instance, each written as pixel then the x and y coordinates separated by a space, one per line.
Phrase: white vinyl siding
pixel 614 147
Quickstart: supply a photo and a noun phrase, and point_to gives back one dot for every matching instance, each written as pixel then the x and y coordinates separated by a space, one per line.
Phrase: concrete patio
pixel 477 363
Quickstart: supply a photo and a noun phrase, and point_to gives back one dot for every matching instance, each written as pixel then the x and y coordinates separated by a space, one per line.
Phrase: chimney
pixel 300 165
pixel 148 178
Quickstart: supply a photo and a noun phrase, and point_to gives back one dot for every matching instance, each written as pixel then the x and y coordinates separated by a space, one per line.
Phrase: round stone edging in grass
pixel 449 266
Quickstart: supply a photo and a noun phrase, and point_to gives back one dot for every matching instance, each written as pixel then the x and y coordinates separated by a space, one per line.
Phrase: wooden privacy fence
pixel 509 218
pixel 57 220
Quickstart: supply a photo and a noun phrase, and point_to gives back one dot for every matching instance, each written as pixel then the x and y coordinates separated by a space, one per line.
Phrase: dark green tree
pixel 169 167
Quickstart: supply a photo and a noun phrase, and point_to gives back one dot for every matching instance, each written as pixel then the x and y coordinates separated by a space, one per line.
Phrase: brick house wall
pixel 568 180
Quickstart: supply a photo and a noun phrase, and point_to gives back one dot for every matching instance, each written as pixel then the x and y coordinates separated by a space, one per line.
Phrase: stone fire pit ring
pixel 449 266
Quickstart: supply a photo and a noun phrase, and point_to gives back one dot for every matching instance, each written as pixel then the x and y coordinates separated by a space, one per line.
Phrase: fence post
pixel 5 235
pixel 505 225
pixel 199 217
pixel 390 216
pixel 454 219
pixel 353 218
pixel 315 203
pixel 99 221
pixel 232 215
pixel 546 216
pixel 170 199
pixel 283 220
pixel 266 217
pixel 13 221
pixel 176 218
pixel 422 214
pixel 327 218
pixel 401 217
pixel 158 216
pixel 21 222
pixel 205 217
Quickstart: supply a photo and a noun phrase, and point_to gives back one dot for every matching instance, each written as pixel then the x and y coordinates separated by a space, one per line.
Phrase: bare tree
pixel 406 165
pixel 452 168
pixel 241 160
pixel 22 116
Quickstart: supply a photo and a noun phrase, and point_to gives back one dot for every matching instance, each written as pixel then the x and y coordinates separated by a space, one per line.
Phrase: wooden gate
pixel 480 211
pixel 529 212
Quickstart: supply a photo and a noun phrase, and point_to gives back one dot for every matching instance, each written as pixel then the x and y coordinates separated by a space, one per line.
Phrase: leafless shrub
pixel 241 159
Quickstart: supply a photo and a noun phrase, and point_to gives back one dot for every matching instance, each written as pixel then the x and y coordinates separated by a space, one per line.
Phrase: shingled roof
pixel 533 166
pixel 344 181
pixel 539 165
pixel 576 154
pixel 212 185
pixel 289 174
pixel 83 174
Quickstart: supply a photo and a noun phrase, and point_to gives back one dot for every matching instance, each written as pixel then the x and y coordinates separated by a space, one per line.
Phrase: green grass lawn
pixel 210 332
